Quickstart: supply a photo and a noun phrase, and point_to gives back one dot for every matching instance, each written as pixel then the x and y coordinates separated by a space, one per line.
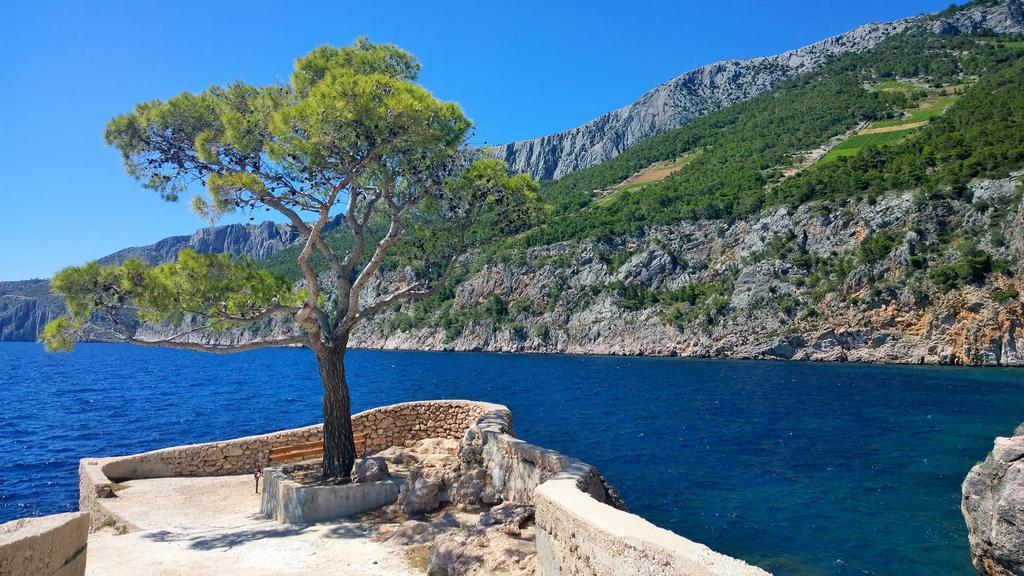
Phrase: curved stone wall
pixel 409 422
pixel 394 425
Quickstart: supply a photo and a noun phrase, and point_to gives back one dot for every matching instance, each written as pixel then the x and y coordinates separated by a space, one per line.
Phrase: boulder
pixel 993 507
pixel 467 490
pixel 371 469
pixel 419 495
pixel 508 514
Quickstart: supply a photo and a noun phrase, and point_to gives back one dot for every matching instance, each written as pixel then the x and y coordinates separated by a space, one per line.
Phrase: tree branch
pixel 216 348
pixel 172 342
pixel 304 229
pixel 414 291
pixel 392 236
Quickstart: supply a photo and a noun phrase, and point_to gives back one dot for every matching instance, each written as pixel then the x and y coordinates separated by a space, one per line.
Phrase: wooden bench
pixel 309 450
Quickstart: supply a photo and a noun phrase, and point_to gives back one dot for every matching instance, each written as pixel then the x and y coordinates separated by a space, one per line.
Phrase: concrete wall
pixel 577 535
pixel 288 501
pixel 45 546
pixel 582 526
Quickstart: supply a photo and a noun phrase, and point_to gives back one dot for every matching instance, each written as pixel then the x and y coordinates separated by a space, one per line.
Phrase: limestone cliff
pixel 749 290
pixel 791 284
pixel 256 241
pixel 993 506
pixel 25 307
pixel 709 88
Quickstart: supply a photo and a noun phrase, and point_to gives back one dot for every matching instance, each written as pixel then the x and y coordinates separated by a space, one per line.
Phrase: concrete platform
pixel 212 525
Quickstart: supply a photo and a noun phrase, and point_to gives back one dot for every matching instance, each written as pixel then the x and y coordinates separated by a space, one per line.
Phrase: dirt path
pixel 193 526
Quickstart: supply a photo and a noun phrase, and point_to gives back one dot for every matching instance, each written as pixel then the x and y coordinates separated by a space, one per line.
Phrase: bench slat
pixel 297 455
pixel 303 446
pixel 308 450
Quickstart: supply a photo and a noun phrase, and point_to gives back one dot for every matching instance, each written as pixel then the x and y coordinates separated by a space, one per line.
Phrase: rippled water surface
pixel 803 469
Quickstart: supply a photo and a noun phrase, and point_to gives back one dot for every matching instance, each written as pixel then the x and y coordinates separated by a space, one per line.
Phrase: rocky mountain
pixel 703 90
pixel 747 289
pixel 871 210
pixel 800 284
pixel 26 306
pixel 256 241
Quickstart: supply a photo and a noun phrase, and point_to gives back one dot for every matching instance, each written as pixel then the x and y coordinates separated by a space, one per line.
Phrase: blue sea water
pixel 803 469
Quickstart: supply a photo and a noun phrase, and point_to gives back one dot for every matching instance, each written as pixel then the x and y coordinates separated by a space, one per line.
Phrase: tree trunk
pixel 339 446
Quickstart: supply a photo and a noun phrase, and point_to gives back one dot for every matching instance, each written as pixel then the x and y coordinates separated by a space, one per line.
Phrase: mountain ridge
pixel 699 91
pixel 27 305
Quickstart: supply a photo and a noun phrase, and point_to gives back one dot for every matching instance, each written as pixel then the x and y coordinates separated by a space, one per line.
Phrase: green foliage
pixel 520 307
pixel 518 332
pixel 60 334
pixel 636 296
pixel 349 112
pixel 351 130
pixel 680 307
pixel 216 286
pixel 741 146
pixel 896 85
pixel 876 247
pixel 1005 295
pixel 970 267
pixel 979 136
pixel 929 110
pixel 827 275
pixel 213 285
pixel 494 308
pixel 615 260
pixel 853 145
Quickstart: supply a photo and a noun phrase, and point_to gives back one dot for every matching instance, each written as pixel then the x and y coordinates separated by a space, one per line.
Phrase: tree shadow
pixel 224 540
pixel 163 536
pixel 350 531
pixel 232 539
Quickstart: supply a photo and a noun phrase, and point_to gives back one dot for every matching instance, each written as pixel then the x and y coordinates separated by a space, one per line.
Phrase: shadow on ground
pixel 224 540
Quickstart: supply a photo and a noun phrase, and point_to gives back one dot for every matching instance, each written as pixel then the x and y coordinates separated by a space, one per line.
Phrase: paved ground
pixel 192 526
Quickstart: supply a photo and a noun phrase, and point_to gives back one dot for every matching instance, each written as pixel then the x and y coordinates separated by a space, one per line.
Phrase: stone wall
pixel 579 536
pixel 395 425
pixel 403 424
pixel 45 546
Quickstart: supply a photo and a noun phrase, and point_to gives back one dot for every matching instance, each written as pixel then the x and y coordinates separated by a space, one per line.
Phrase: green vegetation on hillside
pixel 982 135
pixel 930 108
pixel 746 145
pixel 854 144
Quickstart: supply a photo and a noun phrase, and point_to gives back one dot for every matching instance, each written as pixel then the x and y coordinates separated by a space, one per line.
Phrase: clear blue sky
pixel 520 69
